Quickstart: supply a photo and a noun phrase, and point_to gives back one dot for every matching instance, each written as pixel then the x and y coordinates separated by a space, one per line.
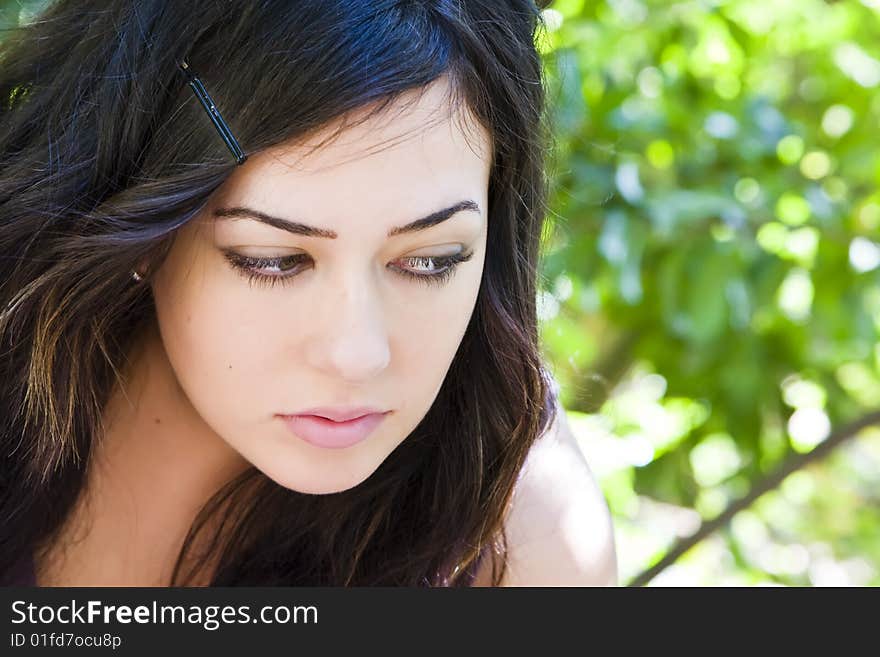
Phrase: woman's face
pixel 342 314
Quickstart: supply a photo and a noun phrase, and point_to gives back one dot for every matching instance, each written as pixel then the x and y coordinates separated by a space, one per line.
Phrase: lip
pixel 321 432
pixel 340 413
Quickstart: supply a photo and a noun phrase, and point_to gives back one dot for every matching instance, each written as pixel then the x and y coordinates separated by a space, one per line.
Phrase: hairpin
pixel 202 94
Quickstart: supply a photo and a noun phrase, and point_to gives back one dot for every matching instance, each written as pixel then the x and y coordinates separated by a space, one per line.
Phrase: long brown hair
pixel 104 154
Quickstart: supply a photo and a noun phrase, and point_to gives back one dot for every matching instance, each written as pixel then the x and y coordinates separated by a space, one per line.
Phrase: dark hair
pixel 105 153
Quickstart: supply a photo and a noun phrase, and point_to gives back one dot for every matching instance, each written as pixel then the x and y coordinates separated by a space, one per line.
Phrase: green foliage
pixel 717 215
pixel 14 12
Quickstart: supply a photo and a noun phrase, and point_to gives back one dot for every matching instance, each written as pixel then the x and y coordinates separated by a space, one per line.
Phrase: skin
pixel 558 526
pixel 206 383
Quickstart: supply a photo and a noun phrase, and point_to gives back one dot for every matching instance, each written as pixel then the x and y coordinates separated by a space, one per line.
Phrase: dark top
pixel 22 574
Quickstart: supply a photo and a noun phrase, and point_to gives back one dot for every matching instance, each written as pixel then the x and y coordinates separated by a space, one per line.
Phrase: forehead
pixel 418 146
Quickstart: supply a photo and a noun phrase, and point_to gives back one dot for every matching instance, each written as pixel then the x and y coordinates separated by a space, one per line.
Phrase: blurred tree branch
pixel 793 463
pixel 593 390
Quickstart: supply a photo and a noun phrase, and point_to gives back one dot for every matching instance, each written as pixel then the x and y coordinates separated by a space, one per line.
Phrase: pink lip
pixel 340 413
pixel 321 432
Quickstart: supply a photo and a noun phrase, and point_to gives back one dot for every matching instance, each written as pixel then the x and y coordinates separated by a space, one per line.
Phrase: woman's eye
pixel 266 271
pixel 269 271
pixel 433 269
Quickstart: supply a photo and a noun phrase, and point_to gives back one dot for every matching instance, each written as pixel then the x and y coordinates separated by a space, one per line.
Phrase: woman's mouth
pixel 321 432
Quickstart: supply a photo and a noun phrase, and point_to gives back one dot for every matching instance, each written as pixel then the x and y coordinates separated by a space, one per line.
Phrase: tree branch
pixel 592 391
pixel 771 481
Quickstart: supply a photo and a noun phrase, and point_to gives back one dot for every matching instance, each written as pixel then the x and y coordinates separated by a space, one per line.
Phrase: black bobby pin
pixel 214 113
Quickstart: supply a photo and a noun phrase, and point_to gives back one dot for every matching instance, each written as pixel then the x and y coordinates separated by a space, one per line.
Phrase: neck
pixel 155 466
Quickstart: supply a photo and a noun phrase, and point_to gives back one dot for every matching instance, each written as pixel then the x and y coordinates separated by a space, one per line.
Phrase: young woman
pixel 268 300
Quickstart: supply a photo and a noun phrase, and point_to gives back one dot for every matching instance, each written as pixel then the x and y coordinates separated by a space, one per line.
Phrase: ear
pixel 142 267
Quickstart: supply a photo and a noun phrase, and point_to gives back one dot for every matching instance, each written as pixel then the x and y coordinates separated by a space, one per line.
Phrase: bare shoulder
pixel 558 527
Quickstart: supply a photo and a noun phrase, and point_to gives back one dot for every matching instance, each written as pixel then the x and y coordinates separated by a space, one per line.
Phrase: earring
pixel 136 276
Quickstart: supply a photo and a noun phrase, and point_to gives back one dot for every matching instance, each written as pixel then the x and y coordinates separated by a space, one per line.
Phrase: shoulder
pixel 558 526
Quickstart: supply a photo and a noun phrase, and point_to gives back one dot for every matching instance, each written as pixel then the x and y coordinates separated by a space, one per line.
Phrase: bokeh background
pixel 710 302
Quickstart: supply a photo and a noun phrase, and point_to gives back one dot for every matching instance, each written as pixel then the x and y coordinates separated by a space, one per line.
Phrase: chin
pixel 335 480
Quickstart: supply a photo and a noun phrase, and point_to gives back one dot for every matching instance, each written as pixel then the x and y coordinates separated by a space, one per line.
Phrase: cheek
pixel 217 345
pixel 429 332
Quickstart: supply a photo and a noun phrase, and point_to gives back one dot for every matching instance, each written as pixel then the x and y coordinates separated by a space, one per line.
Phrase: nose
pixel 350 342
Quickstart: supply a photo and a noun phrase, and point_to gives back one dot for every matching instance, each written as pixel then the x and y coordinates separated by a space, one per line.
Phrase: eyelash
pixel 248 266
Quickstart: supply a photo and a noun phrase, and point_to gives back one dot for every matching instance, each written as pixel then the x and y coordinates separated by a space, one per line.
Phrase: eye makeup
pixel 258 271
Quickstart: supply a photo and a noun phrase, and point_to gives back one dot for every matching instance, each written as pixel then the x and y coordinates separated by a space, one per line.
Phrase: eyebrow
pixel 298 228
